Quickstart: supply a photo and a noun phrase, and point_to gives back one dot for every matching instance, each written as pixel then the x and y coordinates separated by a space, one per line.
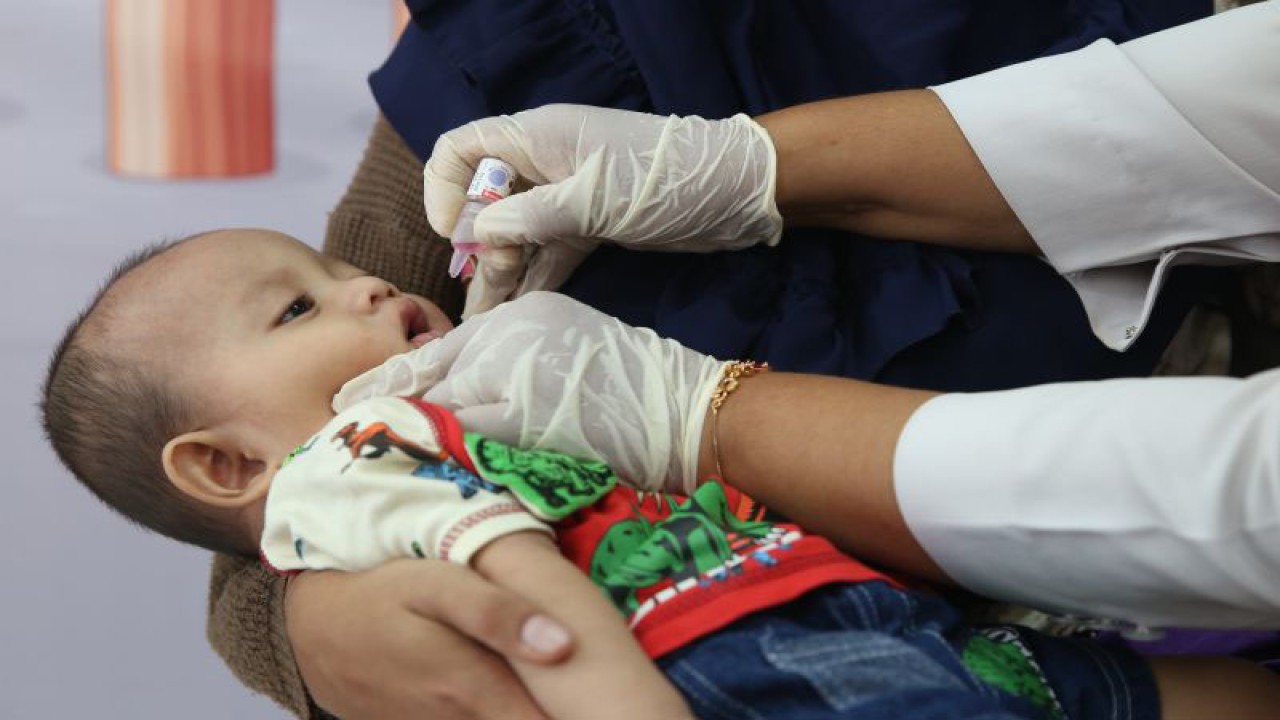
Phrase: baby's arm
pixel 375 484
pixel 608 676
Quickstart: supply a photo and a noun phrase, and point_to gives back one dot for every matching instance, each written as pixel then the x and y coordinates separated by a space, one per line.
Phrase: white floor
pixel 96 618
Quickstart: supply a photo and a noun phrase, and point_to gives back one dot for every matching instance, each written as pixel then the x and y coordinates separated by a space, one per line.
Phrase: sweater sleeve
pixel 1123 161
pixel 246 627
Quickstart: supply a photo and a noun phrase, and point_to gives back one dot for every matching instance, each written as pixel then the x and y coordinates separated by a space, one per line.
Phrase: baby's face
pixel 266 329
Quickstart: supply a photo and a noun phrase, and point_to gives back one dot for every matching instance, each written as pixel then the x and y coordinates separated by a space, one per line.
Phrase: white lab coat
pixel 1155 500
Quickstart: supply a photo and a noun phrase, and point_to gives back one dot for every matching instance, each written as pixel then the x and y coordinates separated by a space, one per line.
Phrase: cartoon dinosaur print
pixel 551 485
pixel 467 482
pixel 298 451
pixel 696 538
pixel 378 439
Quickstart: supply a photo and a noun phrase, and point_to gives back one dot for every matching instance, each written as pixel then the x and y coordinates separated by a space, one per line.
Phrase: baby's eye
pixel 296 309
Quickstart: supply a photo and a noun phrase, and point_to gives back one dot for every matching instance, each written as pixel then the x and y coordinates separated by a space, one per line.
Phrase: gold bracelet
pixel 733 373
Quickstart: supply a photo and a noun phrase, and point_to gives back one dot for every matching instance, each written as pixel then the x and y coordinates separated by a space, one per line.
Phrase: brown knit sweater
pixel 379 226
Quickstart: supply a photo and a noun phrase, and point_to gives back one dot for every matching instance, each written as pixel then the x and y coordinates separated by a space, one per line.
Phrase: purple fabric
pixel 1262 646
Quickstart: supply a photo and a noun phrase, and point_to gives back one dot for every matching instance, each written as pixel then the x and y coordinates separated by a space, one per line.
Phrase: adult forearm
pixel 891 165
pixel 1147 499
pixel 820 450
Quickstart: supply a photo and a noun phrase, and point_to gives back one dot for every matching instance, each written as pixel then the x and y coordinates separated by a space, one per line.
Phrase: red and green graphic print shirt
pixel 392 477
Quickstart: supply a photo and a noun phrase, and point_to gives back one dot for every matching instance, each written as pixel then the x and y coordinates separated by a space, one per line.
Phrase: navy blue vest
pixel 822 301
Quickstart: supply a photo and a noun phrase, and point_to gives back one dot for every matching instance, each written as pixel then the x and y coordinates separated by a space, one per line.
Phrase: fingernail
pixel 543 634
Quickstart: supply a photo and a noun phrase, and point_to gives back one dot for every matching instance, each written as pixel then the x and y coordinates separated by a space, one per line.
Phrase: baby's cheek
pixel 377 350
pixel 438 318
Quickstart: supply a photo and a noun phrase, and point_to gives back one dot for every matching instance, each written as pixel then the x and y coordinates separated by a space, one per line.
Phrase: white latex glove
pixel 546 371
pixel 643 181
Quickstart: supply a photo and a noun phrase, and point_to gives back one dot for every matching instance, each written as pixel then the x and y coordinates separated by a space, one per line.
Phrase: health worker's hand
pixel 416 638
pixel 647 182
pixel 545 371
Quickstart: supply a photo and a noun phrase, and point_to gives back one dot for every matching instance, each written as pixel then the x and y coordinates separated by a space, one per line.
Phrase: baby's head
pixel 202 363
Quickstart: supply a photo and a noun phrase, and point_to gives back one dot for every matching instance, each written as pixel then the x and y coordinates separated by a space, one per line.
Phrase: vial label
pixel 492 181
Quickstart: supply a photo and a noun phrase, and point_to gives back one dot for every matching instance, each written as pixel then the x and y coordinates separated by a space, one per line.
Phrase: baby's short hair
pixel 109 418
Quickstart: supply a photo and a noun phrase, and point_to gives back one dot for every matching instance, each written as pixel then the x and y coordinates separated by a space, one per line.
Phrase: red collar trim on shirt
pixel 449 429
pixel 262 557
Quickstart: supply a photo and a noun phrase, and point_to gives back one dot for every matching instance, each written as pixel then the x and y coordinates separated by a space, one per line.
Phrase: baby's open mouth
pixel 417 332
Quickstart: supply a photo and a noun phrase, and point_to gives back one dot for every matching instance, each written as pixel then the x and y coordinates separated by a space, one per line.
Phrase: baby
pixel 188 397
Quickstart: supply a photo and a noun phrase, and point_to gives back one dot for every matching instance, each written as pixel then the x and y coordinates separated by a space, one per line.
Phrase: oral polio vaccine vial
pixel 492 182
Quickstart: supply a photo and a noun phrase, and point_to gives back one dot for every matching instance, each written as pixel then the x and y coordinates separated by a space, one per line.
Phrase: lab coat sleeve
pixel 1125 160
pixel 1152 500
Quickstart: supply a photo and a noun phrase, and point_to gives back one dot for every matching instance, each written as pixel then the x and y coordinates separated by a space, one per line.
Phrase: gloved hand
pixel 546 371
pixel 643 181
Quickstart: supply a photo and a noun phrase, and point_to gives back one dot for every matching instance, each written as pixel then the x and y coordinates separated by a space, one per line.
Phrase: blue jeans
pixel 871 651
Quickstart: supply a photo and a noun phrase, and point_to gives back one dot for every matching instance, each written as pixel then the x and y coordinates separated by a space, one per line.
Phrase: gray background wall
pixel 98 619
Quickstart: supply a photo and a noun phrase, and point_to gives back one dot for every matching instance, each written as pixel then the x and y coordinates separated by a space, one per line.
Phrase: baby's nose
pixel 369 291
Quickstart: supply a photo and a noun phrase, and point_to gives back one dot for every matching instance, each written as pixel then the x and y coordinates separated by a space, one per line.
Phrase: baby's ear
pixel 213 469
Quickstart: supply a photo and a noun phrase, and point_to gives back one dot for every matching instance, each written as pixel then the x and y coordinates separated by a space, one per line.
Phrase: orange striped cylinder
pixel 190 87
